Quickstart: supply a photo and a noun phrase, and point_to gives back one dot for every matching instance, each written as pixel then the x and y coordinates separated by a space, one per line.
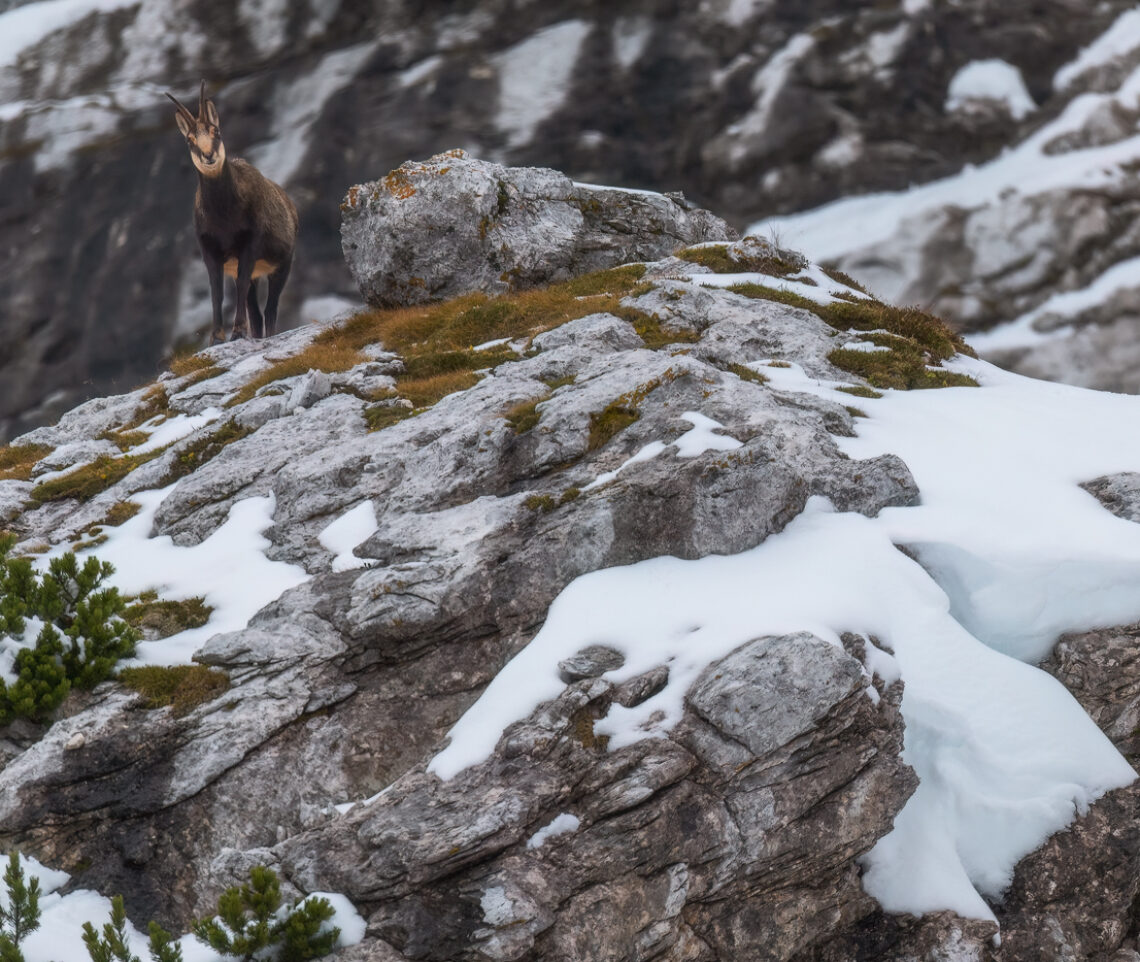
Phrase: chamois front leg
pixel 213 263
pixel 244 280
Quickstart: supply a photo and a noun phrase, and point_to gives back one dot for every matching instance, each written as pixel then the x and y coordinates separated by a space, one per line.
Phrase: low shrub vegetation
pixel 82 636
pixel 719 260
pixel 251 922
pixel 163 618
pixel 85 482
pixel 203 449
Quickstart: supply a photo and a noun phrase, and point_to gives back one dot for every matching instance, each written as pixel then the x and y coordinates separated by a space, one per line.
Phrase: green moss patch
pixel 917 342
pixel 380 416
pixel 120 512
pixel 17 460
pixel 719 260
pixel 846 279
pixel 618 415
pixel 858 390
pixel 181 687
pixel 547 502
pixel 651 330
pixel 524 416
pixel 154 403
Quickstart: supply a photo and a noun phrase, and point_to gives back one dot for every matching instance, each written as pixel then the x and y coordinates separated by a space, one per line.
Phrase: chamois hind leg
pixel 276 285
pixel 254 310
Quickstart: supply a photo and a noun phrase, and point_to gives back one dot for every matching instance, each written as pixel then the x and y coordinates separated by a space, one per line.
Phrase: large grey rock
pixel 453 224
pixel 671 832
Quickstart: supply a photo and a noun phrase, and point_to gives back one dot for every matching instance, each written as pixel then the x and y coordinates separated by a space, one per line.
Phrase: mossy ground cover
pixel 181 687
pixel 618 415
pixel 437 341
pixel 916 342
pixel 746 373
pixel 17 460
pixel 524 416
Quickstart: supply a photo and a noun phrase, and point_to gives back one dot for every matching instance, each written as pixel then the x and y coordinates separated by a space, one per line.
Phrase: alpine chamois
pixel 246 224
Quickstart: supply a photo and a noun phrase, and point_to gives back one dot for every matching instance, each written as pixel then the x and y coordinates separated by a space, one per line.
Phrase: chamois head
pixel 203 134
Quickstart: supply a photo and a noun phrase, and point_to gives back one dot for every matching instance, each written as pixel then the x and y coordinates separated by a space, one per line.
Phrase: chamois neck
pixel 219 186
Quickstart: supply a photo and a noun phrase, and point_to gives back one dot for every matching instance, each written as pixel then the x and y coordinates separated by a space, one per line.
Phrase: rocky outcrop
pixel 724 837
pixel 737 832
pixel 752 109
pixel 438 229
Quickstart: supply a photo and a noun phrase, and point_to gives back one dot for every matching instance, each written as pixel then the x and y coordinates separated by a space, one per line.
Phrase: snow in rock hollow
pixel 1004 754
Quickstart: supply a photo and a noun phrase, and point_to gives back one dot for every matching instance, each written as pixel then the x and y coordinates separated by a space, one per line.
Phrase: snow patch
pixel 1004 754
pixel 630 36
pixel 766 86
pixel 229 569
pixel 561 825
pixel 26 26
pixel 1023 331
pixel 296 106
pixel 990 80
pixel 348 532
pixel 173 429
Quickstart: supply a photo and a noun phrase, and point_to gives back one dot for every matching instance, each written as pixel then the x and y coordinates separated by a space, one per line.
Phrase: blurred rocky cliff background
pixel 754 108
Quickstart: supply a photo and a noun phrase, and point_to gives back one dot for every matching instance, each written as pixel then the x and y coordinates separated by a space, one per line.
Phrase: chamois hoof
pixel 239 336
pixel 216 339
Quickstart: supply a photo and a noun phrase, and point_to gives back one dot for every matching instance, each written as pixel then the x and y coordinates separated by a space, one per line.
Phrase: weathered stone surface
pixel 453 224
pixel 1120 493
pixel 672 831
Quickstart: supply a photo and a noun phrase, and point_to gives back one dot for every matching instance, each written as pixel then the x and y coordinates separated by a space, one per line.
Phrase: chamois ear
pixel 212 114
pixel 183 124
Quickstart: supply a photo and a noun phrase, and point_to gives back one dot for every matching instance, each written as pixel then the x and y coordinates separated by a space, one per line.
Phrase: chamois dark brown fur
pixel 246 224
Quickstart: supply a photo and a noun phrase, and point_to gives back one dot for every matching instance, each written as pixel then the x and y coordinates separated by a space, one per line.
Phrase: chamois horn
pixel 182 108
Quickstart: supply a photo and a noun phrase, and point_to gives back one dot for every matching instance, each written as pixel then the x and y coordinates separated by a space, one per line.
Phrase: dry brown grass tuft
pixel 321 356
pixel 17 461
pixel 182 687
